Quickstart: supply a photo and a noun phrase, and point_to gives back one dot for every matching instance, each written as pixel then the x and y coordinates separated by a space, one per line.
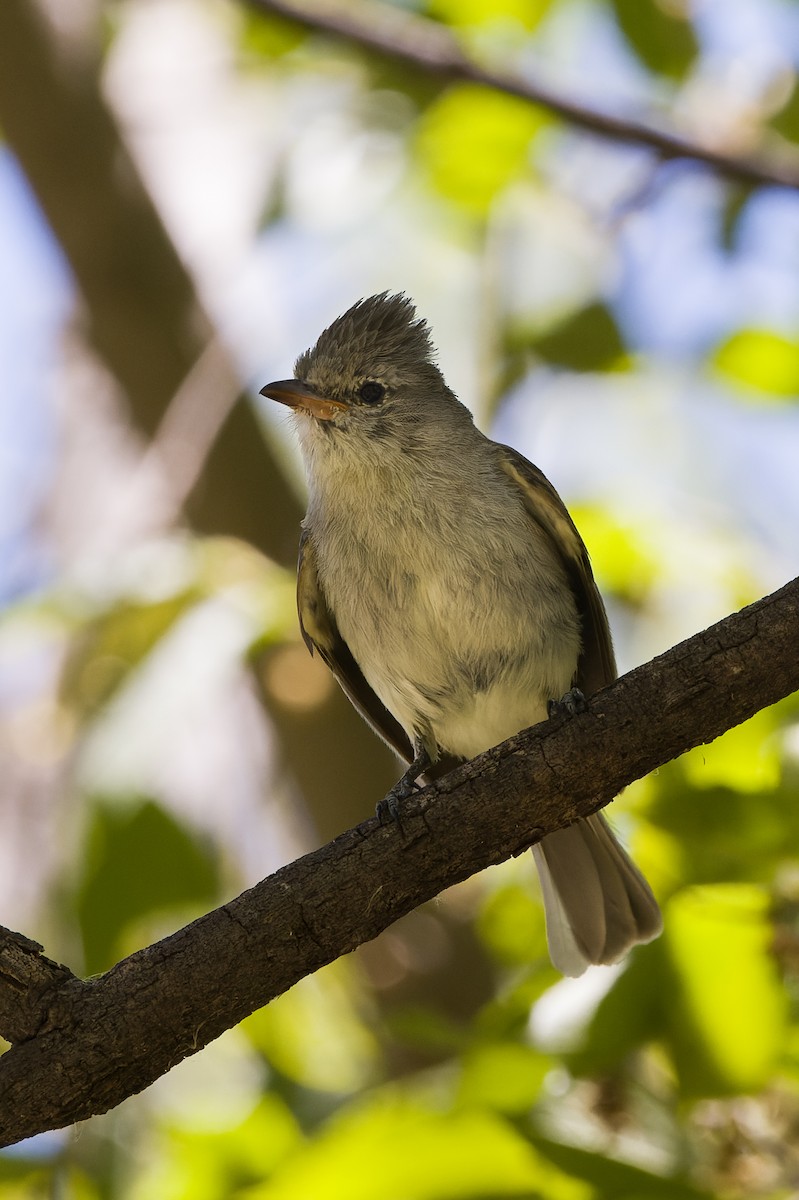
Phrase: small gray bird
pixel 445 585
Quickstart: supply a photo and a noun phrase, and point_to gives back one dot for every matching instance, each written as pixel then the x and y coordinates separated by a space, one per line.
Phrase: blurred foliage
pixel 523 13
pixel 432 1065
pixel 763 362
pixel 660 34
pixel 138 861
pixel 473 142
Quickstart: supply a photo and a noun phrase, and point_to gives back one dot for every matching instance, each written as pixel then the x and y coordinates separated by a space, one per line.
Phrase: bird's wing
pixel 320 633
pixel 596 666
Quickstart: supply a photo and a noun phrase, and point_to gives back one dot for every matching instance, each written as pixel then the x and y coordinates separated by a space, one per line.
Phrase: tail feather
pixel 597 902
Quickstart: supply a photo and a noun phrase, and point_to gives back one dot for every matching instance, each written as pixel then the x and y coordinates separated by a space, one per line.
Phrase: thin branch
pixel 103 1040
pixel 431 48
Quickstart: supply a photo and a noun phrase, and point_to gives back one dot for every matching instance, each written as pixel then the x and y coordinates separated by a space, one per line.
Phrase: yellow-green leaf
pixel 761 360
pixel 394 1149
pixel 109 647
pixel 503 1076
pixel 526 13
pixel 746 758
pixel 511 924
pixel 726 1009
pixel 313 1034
pixel 473 142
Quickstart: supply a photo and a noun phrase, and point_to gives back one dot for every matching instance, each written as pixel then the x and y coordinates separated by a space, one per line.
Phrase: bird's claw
pixel 388 809
pixel 572 703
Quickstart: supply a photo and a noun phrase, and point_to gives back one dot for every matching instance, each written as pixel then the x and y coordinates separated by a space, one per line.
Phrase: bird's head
pixel 370 373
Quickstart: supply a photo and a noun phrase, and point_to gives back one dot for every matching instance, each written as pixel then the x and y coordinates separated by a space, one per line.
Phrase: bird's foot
pixel 571 704
pixel 388 809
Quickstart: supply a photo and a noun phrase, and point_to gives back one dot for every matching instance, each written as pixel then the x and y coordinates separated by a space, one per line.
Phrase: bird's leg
pixel 572 703
pixel 388 807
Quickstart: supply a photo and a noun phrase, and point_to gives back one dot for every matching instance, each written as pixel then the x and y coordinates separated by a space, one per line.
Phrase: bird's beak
pixel 297 394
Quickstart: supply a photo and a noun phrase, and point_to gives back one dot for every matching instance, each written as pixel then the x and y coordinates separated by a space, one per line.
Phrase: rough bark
pixel 82 1047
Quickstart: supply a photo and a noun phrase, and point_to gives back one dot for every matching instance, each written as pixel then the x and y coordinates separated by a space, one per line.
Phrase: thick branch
pixel 429 47
pixel 100 1041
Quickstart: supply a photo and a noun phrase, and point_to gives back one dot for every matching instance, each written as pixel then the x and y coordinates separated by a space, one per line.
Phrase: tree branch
pixel 91 1044
pixel 430 47
pixel 26 980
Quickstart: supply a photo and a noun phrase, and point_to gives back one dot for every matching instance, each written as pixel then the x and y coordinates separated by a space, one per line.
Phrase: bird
pixel 445 585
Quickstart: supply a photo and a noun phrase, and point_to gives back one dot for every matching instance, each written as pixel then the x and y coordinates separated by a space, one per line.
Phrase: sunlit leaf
pixel 473 142
pixel 526 13
pixel 723 834
pixel 314 1035
pixel 761 360
pixel 746 758
pixel 726 1010
pixel 139 861
pixel 208 1165
pixel 503 1076
pixel 663 39
pixel 623 554
pixel 393 1149
pixel 511 923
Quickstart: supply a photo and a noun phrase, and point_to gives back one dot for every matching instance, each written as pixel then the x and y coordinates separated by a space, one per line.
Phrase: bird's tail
pixel 597 902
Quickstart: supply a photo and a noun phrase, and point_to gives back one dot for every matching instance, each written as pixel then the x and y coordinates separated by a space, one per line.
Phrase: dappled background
pixel 190 190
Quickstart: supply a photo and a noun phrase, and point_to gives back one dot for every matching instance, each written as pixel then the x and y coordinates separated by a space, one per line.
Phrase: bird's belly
pixel 463 677
pixel 489 718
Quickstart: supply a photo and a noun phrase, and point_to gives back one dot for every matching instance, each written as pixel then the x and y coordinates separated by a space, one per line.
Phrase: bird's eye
pixel 371 392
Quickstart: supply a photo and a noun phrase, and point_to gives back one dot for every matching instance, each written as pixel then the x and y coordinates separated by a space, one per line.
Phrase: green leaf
pixel 314 1035
pixel 736 198
pixel 472 142
pixel 503 1076
pixel 511 924
pixel 762 361
pixel 526 13
pixel 723 835
pixel 786 121
pixel 267 35
pixel 624 555
pixel 616 1180
pixel 393 1148
pixel 628 1017
pixel 663 39
pixel 726 1010
pixel 110 647
pixel 746 758
pixel 587 340
pixel 139 861
pixel 206 1164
